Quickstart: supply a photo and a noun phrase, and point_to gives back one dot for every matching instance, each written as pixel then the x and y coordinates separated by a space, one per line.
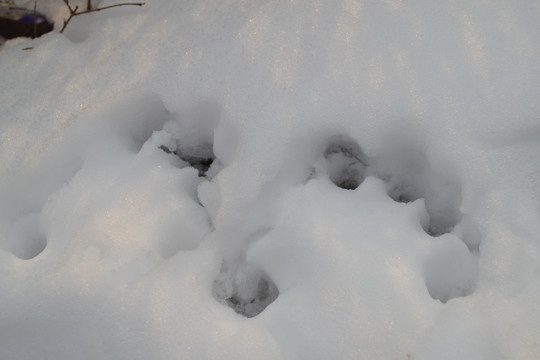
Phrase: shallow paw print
pixel 25 239
pixel 450 270
pixel 244 288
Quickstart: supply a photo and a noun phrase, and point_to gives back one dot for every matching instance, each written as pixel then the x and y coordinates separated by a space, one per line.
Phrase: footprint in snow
pixel 409 176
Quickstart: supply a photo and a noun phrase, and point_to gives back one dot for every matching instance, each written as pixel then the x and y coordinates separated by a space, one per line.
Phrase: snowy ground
pixel 273 180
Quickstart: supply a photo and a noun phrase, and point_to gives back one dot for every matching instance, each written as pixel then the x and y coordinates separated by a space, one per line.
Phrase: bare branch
pixel 35 20
pixel 73 11
pixel 107 7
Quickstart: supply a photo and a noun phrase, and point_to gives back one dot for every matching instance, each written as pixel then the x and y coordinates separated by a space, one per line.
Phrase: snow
pixel 273 180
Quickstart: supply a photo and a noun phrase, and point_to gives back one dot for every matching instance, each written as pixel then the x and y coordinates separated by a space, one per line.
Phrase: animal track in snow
pixel 25 240
pixel 191 137
pixel 200 157
pixel 409 177
pixel 346 163
pixel 451 270
pixel 244 288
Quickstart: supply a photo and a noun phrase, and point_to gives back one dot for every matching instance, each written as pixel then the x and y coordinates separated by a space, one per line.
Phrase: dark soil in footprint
pixel 190 136
pixel 200 158
pixel 244 288
pixel 346 163
pixel 265 294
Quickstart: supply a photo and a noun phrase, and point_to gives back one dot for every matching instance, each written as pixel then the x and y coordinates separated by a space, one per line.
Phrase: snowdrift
pixel 273 180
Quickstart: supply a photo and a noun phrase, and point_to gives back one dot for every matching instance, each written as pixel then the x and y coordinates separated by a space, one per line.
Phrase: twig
pixel 35 19
pixel 73 11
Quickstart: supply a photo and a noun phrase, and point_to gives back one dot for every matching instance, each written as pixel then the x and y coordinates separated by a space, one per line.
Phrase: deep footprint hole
pixel 443 216
pixel 25 240
pixel 346 163
pixel 409 176
pixel 31 247
pixel 244 288
pixel 400 191
pixel 443 211
pixel 436 228
pixel 199 157
pixel 190 136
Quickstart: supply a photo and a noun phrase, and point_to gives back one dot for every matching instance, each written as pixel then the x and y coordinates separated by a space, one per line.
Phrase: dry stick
pixel 35 20
pixel 73 11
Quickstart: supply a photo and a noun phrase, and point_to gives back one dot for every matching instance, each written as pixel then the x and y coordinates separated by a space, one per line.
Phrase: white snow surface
pixel 113 248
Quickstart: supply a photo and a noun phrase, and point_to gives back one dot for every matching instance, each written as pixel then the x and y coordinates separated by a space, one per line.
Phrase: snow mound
pixel 272 180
